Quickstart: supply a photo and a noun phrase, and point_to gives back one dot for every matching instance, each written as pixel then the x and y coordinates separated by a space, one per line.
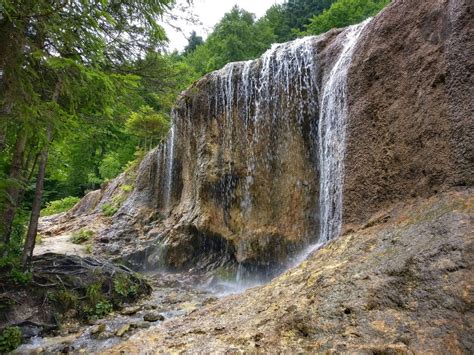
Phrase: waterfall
pixel 262 94
pixel 169 147
pixel 332 137
pixel 268 136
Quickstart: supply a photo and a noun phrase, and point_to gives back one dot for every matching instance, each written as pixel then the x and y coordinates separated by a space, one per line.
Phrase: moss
pixel 126 188
pixel 88 249
pixel 10 339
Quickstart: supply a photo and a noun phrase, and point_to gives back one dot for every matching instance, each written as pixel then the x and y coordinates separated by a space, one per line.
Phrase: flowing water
pixel 258 101
pixel 169 147
pixel 332 137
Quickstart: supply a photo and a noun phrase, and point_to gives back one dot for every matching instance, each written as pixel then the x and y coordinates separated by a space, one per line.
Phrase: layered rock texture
pixel 303 144
pixel 401 284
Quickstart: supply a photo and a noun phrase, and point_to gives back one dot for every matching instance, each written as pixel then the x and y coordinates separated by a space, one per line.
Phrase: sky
pixel 208 13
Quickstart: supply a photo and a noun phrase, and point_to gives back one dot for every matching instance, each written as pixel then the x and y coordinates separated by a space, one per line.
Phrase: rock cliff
pixel 305 143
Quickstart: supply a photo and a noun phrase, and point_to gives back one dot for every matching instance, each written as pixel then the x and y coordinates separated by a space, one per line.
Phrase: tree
pixel 193 42
pixel 236 37
pixel 344 13
pixel 290 18
pixel 149 125
pixel 298 13
pixel 76 46
pixel 276 20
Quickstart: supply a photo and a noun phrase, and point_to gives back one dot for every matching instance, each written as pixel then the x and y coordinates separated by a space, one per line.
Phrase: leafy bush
pixel 10 339
pixel 110 166
pixel 99 310
pixel 65 298
pixel 124 287
pixel 148 124
pixel 109 210
pixel 81 236
pixel 20 277
pixel 94 293
pixel 59 206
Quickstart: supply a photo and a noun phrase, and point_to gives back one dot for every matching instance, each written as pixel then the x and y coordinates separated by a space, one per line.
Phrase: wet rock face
pixel 269 155
pixel 411 127
pixel 238 174
pixel 399 285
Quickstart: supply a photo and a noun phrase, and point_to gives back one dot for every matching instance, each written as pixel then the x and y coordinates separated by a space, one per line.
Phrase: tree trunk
pixel 36 207
pixel 13 192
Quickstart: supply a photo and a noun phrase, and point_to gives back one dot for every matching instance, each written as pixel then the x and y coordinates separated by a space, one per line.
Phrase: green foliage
pixel 99 310
pixel 124 286
pixel 239 37
pixel 236 37
pixel 70 78
pixel 193 42
pixel 19 276
pixel 66 298
pixel 148 125
pixel 109 210
pixel 110 166
pixel 10 339
pixel 81 236
pixel 126 188
pixel 290 18
pixel 58 206
pixel 344 13
pixel 94 293
pixel 103 308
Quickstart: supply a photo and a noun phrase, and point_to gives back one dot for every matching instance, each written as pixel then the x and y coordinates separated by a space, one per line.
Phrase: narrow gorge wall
pixel 268 156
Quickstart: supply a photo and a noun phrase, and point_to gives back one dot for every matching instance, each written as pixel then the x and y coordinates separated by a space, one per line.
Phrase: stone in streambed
pixel 97 329
pixel 130 311
pixel 153 317
pixel 124 329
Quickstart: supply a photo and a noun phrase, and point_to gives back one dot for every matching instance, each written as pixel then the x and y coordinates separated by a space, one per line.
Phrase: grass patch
pixel 59 206
pixel 109 210
pixel 126 188
pixel 82 236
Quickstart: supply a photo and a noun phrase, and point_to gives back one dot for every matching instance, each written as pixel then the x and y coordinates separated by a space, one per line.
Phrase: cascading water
pixel 332 137
pixel 257 138
pixel 263 94
pixel 169 168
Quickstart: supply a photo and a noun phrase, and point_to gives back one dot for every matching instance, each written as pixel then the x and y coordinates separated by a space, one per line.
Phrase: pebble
pixel 153 317
pixel 121 332
pixel 130 310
